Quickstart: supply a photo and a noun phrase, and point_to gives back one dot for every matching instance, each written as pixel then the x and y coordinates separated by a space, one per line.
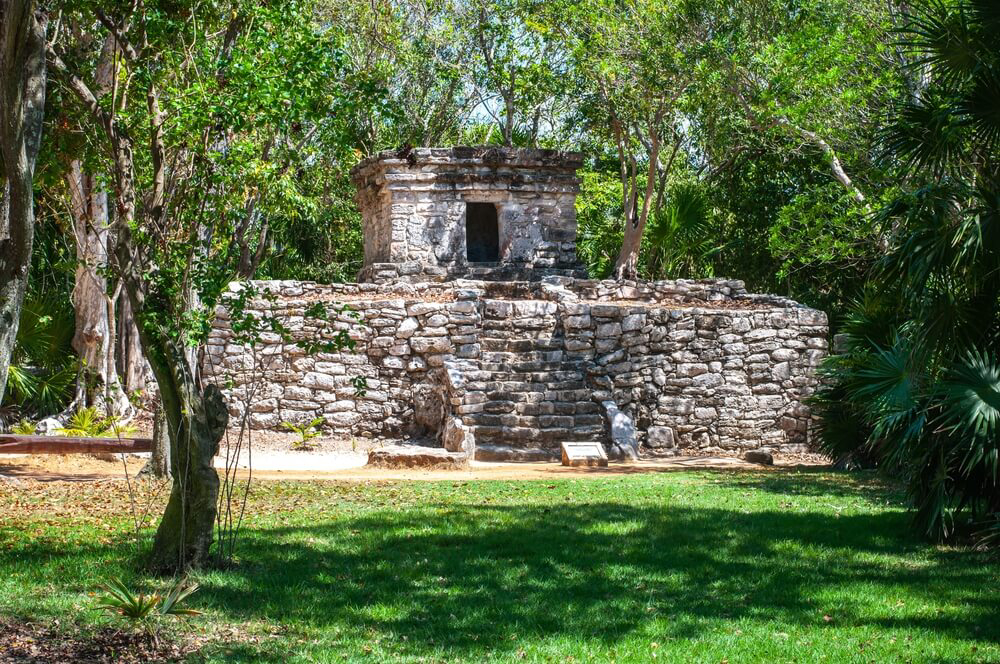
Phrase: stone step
pixel 416 456
pixel 550 436
pixel 508 327
pixel 547 377
pixel 569 391
pixel 592 424
pixel 534 365
pixel 520 345
pixel 490 452
pixel 580 411
pixel 522 356
pixel 579 408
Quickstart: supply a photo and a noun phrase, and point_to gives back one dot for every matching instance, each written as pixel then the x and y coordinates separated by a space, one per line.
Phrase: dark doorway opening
pixel 482 236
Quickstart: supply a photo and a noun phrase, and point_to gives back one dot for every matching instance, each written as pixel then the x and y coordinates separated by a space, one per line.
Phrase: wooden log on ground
pixel 17 444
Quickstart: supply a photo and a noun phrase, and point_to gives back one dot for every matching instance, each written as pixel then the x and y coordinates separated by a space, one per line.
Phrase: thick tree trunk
pixel 159 460
pixel 93 339
pixel 22 110
pixel 196 420
pixel 99 384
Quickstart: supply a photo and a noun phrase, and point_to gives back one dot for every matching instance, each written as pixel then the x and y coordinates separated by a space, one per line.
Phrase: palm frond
pixel 944 35
pixel 929 133
pixel 120 599
pixel 971 411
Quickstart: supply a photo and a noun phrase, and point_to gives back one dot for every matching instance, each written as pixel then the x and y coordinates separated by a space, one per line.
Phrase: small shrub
pixel 139 608
pixel 306 433
pixel 25 427
pixel 88 423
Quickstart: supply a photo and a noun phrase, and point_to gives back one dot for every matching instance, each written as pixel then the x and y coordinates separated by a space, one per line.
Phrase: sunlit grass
pixel 772 567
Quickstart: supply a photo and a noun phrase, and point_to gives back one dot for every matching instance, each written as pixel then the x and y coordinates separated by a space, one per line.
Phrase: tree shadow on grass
pixel 456 577
pixel 465 577
pixel 806 481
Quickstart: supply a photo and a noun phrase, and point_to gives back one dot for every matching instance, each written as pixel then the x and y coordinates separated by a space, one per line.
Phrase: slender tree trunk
pixel 836 167
pixel 131 364
pixel 22 111
pixel 508 118
pixel 627 265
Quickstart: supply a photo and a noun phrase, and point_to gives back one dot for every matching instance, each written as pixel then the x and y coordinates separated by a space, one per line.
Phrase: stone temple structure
pixel 465 212
pixel 478 332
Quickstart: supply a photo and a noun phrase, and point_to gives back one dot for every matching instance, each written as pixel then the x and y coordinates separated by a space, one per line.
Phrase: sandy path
pixel 350 466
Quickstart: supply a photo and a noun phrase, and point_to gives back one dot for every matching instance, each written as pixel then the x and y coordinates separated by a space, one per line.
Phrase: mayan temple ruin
pixel 479 334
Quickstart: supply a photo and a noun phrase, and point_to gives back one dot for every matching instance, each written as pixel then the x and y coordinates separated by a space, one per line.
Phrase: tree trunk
pixel 22 110
pixel 196 420
pixel 131 365
pixel 92 341
pixel 837 168
pixel 627 265
pixel 159 461
pixel 99 384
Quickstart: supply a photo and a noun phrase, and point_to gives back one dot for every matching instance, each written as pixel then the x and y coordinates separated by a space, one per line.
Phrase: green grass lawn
pixel 691 567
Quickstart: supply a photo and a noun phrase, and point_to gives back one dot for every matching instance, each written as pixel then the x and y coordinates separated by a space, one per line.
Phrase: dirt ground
pixel 340 461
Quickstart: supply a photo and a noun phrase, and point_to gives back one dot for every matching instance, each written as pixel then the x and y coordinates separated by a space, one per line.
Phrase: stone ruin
pixel 476 328
pixel 476 213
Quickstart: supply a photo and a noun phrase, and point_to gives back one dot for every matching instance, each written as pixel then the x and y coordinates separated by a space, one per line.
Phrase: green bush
pixel 918 390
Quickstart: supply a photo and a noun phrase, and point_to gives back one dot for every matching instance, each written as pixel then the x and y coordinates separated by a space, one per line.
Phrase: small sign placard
pixel 584 454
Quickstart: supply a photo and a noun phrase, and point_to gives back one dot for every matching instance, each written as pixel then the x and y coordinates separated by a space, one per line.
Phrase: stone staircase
pixel 529 393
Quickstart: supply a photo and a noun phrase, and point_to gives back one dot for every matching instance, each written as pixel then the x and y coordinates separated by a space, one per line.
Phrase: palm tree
pixel 682 238
pixel 919 387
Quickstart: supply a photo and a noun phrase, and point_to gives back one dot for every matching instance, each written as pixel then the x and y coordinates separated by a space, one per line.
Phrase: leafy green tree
pixel 231 92
pixel 410 62
pixel 598 216
pixel 630 77
pixel 517 73
pixel 921 380
pixel 784 110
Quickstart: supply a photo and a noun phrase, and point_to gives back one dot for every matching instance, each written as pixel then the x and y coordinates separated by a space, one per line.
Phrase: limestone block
pixel 457 437
pixel 319 380
pixel 430 344
pixel 660 437
pixel 633 322
pixel 407 328
pixel 623 434
pixel 413 456
pixel 762 456
pixel 263 405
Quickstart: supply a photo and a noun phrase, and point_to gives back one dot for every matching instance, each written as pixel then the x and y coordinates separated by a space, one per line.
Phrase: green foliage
pixel 322 243
pixel 89 423
pixel 306 432
pixel 43 367
pixel 140 608
pixel 598 217
pixel 825 244
pixel 923 379
pixel 682 237
pixel 24 427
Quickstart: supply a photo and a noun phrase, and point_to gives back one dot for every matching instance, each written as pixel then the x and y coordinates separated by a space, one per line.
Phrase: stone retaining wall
pixel 697 364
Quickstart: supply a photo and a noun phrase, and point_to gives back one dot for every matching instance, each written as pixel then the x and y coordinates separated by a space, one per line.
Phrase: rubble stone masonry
pixel 527 365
